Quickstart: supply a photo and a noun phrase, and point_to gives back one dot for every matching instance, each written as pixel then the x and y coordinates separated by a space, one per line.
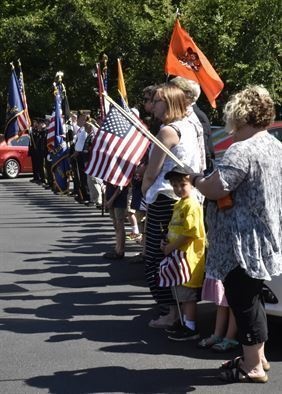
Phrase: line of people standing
pixel 79 133
pixel 244 247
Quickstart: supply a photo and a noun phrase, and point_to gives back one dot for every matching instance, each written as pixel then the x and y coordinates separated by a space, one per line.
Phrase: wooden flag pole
pixel 143 129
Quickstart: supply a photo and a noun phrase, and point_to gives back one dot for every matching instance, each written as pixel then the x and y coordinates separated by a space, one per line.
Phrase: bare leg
pixel 133 222
pixel 232 327
pixel 252 363
pixel 189 310
pixel 120 236
pixel 262 355
pixel 222 314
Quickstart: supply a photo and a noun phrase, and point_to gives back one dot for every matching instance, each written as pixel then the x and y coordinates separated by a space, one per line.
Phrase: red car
pixel 222 141
pixel 14 157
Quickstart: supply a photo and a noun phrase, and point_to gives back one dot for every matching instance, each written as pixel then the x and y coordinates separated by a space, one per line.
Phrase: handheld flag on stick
pixel 141 127
pixel 119 145
pixel 117 149
pixel 16 121
pixel 121 83
pixel 186 60
pixel 174 269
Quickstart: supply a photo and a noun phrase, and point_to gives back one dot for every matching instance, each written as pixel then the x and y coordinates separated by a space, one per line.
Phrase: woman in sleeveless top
pixel 170 106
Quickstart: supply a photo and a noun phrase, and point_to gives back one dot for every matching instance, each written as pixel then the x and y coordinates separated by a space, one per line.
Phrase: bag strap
pixel 178 132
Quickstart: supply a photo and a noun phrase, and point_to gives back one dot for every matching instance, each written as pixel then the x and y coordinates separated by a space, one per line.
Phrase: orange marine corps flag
pixel 185 59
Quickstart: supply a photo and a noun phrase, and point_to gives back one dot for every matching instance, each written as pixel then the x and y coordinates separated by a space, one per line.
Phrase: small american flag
pixel 117 148
pixel 174 269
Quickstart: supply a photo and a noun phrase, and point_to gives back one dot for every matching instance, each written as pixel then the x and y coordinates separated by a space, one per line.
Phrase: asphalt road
pixel 73 323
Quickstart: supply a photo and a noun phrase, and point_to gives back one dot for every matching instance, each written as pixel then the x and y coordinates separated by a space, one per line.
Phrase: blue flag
pixel 60 156
pixel 15 114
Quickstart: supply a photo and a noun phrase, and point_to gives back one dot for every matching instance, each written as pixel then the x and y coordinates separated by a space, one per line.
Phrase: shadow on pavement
pixel 123 380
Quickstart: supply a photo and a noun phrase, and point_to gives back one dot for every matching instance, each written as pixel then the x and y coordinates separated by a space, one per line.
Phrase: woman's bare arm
pixel 211 187
pixel 168 136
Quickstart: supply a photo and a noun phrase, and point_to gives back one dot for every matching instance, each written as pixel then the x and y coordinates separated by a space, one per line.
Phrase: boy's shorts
pixel 187 294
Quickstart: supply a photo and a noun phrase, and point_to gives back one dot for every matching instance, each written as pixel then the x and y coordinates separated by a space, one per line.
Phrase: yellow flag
pixel 121 84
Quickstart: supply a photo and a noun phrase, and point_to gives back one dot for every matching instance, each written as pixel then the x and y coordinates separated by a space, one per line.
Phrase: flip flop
pixel 207 343
pixel 226 345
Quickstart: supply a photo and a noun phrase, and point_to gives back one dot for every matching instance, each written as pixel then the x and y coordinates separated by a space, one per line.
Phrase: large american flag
pixel 15 114
pixel 174 269
pixel 117 148
pixel 55 127
pixel 23 118
pixel 51 132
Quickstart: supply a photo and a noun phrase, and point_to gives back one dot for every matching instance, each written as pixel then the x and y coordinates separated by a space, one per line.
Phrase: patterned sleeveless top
pixel 187 151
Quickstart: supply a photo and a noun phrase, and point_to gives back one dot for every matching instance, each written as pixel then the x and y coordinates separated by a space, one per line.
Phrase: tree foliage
pixel 242 39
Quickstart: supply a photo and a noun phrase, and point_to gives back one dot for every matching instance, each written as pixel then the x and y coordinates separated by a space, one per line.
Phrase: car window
pixel 22 141
pixel 277 133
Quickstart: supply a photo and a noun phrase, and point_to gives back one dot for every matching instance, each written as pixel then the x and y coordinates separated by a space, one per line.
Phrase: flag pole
pixel 146 132
pixel 178 305
pixel 105 71
pixel 24 95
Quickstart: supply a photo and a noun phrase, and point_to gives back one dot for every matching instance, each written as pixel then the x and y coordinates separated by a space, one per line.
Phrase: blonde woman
pixel 170 107
pixel 245 240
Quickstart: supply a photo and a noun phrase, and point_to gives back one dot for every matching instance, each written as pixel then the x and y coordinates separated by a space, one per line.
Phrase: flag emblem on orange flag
pixel 185 59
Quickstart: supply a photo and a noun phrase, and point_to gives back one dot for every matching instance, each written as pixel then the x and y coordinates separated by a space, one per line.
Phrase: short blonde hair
pixel 175 100
pixel 252 106
pixel 190 88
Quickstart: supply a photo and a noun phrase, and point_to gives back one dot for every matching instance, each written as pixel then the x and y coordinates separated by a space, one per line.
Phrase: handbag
pixel 174 269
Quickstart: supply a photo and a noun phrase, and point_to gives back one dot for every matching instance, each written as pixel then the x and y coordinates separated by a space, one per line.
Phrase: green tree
pixel 241 39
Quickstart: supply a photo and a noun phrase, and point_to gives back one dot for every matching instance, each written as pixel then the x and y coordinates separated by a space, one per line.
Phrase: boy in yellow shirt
pixel 186 233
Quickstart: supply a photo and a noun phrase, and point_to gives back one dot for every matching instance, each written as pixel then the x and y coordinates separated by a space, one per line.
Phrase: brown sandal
pixel 238 375
pixel 235 362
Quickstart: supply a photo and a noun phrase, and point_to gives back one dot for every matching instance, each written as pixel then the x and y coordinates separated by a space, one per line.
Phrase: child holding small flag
pixel 184 248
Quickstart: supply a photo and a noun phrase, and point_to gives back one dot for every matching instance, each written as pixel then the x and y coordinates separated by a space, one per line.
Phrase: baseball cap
pixel 186 170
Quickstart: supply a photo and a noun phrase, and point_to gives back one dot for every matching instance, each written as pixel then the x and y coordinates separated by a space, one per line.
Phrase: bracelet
pixel 194 180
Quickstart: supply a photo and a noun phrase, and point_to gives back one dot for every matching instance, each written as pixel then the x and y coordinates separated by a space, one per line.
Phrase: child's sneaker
pixel 175 327
pixel 184 334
